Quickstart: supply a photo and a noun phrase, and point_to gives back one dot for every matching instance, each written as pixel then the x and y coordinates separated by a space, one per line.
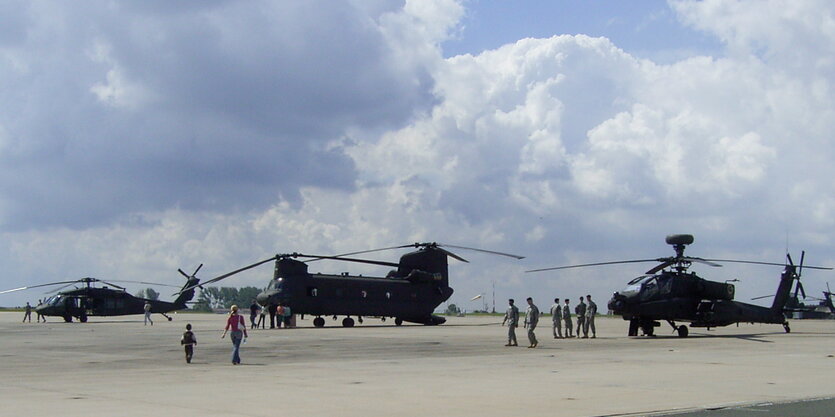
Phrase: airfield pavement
pixel 118 366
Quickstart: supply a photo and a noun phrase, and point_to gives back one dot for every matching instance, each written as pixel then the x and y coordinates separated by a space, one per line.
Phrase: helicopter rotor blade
pixel 141 282
pixel 510 255
pixel 61 288
pixel 763 296
pixel 228 274
pixel 767 263
pixel 36 286
pixel 340 258
pixel 593 264
pixel 368 251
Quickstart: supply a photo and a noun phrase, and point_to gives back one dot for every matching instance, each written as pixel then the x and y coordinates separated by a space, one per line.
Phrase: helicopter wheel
pixel 319 322
pixel 68 318
pixel 83 318
pixel 682 331
pixel 398 321
pixel 787 328
pixel 347 322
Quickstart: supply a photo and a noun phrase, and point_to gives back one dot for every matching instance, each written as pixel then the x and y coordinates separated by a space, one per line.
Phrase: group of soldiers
pixel 560 314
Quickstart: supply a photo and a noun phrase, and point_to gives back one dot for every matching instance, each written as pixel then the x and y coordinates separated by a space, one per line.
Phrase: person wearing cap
pixel 556 319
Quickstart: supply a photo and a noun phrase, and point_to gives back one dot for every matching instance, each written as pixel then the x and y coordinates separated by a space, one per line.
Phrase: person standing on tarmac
pixel 531 319
pixel 28 313
pixel 556 319
pixel 591 311
pixel 566 317
pixel 253 313
pixel 581 318
pixel 511 317
pixel 147 309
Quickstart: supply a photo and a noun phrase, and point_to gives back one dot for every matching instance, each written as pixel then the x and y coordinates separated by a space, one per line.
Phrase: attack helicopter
pixel 109 300
pixel 669 292
pixel 409 293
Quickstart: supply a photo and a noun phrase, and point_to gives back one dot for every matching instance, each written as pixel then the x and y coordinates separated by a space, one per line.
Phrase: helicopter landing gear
pixel 359 319
pixel 319 322
pixel 68 318
pixel 646 326
pixel 82 318
pixel 786 327
pixel 398 321
pixel 166 316
pixel 347 322
pixel 633 327
pixel 682 331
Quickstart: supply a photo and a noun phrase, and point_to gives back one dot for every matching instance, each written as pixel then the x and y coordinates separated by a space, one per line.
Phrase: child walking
pixel 188 341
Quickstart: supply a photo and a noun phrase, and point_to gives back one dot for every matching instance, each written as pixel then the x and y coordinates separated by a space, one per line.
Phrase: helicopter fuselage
pixel 90 301
pixel 680 296
pixel 410 293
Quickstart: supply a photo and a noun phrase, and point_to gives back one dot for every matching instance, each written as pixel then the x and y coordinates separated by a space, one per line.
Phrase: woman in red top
pixel 238 325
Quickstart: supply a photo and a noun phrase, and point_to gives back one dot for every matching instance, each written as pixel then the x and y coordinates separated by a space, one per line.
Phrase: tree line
pixel 211 298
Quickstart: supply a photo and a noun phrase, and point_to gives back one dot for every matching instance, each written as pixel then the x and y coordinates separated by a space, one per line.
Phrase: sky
pixel 138 138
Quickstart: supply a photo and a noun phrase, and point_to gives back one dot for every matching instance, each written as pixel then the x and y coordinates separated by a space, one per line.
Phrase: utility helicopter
pixel 669 292
pixel 108 300
pixel 799 309
pixel 410 293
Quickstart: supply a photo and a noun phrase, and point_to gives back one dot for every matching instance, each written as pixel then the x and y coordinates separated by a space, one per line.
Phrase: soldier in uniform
pixel 511 317
pixel 591 310
pixel 556 319
pixel 581 318
pixel 566 317
pixel 531 319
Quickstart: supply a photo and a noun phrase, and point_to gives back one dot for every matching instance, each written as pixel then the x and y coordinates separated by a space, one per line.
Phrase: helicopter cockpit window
pixel 54 301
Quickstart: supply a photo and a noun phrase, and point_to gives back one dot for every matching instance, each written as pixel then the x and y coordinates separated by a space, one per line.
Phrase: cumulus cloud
pixel 223 133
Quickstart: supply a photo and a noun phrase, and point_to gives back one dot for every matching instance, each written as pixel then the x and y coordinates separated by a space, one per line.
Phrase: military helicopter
pixel 800 310
pixel 669 292
pixel 110 300
pixel 410 293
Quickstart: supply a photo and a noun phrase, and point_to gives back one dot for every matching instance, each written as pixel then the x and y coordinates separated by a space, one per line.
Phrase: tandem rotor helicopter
pixel 87 300
pixel 669 292
pixel 410 293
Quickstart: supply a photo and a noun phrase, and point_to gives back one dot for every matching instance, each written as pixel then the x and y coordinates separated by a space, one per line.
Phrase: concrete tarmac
pixel 118 366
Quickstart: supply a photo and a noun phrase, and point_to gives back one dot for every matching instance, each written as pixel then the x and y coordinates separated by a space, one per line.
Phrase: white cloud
pixel 317 137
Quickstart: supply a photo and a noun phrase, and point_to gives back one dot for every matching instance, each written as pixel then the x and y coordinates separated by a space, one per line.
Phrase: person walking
pixel 253 313
pixel 147 309
pixel 591 311
pixel 261 318
pixel 237 325
pixel 531 319
pixel 566 317
pixel 511 317
pixel 556 319
pixel 581 318
pixel 40 316
pixel 188 341
pixel 27 313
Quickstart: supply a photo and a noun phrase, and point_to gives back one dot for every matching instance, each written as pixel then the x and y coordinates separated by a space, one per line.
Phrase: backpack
pixel 188 338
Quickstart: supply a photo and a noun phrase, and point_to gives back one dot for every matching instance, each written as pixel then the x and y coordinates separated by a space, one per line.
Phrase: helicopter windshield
pixel 53 301
pixel 634 286
pixel 276 284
